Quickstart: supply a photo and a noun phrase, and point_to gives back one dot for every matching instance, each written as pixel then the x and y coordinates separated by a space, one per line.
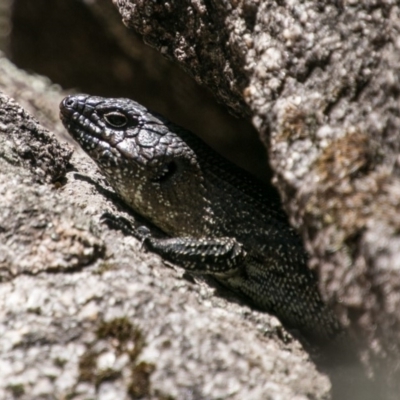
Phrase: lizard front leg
pixel 221 257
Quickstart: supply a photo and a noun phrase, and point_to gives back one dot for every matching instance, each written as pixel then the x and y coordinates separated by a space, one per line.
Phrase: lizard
pixel 218 219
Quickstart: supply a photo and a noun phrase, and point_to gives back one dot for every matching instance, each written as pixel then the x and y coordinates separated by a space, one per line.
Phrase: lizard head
pixel 145 158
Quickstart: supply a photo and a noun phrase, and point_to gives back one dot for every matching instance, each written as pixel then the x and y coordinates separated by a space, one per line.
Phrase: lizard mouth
pixel 71 115
pixel 84 131
pixel 72 106
pixel 78 114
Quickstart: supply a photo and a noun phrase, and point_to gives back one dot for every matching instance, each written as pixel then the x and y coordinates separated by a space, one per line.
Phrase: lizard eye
pixel 116 119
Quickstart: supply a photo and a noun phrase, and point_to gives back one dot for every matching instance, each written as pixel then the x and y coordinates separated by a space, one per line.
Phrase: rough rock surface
pixel 114 62
pixel 321 80
pixel 85 313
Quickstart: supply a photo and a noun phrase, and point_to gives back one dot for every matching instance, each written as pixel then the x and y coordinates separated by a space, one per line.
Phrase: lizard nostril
pixel 68 102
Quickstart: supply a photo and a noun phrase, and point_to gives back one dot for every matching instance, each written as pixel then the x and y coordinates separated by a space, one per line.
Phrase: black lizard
pixel 219 219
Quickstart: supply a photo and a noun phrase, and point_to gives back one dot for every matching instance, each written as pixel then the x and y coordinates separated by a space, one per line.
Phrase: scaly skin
pixel 219 219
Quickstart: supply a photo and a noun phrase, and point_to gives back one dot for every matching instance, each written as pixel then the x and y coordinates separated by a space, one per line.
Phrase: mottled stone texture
pixel 321 80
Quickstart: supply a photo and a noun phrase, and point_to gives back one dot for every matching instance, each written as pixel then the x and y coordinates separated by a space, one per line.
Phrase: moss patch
pixel 123 337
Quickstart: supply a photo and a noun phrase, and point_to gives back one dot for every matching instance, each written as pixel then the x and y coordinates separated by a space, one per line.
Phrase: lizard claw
pixel 117 223
pixel 143 234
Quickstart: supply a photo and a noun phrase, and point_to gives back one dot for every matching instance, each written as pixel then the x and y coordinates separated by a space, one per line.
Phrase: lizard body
pixel 219 219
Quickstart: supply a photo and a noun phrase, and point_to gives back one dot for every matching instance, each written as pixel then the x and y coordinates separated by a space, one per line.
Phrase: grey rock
pixel 320 80
pixel 85 313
